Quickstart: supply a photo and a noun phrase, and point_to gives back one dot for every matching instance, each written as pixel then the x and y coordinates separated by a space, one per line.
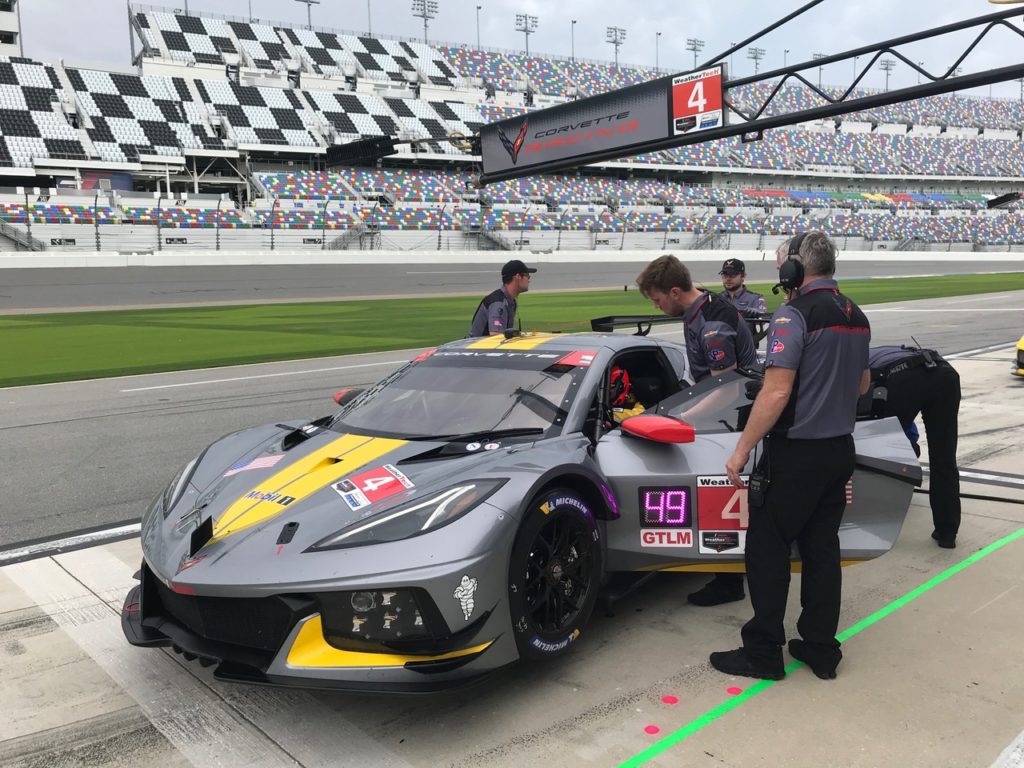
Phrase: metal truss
pixel 943 82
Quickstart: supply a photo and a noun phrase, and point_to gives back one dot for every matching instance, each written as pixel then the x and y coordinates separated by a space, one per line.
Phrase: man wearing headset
pixel 816 369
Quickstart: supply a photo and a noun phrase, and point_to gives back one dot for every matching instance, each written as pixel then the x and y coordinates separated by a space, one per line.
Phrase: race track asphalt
pixel 83 454
pixel 112 287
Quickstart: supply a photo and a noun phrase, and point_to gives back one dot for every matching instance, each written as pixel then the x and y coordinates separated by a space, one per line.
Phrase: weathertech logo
pixel 513 147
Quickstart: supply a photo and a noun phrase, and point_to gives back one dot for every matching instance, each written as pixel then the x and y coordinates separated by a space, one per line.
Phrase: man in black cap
pixel 734 273
pixel 497 312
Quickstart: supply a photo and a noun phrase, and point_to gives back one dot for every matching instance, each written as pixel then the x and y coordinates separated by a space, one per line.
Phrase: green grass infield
pixel 84 345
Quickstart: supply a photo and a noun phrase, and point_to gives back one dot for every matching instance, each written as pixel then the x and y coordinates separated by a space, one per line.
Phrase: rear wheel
pixel 554 573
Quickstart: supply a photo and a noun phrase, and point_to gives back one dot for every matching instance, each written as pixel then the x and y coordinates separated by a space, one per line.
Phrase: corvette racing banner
pixel 615 124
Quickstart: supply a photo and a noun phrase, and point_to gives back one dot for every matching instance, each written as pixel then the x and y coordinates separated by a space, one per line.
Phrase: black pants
pixel 804 503
pixel 935 394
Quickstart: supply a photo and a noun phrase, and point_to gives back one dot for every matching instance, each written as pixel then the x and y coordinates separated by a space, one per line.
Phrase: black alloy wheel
pixel 554 573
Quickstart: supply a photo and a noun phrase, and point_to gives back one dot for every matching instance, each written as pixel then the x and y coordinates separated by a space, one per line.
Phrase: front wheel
pixel 554 573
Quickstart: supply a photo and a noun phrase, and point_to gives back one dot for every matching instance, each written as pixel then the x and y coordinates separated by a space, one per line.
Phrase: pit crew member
pixel 496 313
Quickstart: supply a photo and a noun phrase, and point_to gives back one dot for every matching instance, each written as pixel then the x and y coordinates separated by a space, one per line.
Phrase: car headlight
pixel 415 517
pixel 177 486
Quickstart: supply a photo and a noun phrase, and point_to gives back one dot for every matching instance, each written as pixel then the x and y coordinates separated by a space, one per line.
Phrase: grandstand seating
pixel 30 124
pixel 51 112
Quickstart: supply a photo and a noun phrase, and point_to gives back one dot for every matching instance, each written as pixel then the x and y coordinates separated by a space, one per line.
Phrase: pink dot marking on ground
pixel 652 729
pixel 669 699
pixel 734 691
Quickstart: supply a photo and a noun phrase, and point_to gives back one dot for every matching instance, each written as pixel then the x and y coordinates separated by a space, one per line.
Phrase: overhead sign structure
pixel 610 125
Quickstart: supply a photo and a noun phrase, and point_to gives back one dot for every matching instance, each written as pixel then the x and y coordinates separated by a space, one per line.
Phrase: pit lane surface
pixel 61 289
pixel 939 682
pixel 83 454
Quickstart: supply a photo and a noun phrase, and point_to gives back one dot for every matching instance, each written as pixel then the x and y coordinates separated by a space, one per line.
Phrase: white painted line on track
pixel 1012 756
pixel 90 539
pixel 456 272
pixel 265 376
pixel 1006 345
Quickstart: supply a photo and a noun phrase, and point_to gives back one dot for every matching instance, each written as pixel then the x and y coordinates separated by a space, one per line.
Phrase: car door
pixel 661 489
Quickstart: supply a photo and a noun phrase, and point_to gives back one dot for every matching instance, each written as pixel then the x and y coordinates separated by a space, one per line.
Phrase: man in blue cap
pixel 497 312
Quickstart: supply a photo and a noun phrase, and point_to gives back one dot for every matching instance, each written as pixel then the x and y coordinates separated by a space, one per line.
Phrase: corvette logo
pixel 513 147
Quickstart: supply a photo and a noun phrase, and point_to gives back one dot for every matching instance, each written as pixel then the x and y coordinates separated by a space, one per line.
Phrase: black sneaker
pixel 738 663
pixel 946 542
pixel 718 591
pixel 826 670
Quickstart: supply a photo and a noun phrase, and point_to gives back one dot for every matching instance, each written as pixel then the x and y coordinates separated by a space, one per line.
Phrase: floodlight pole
pixel 616 36
pixel 426 10
pixel 755 54
pixel 695 45
pixel 657 39
pixel 887 65
pixel 817 56
pixel 572 41
pixel 527 24
pixel 478 26
pixel 309 11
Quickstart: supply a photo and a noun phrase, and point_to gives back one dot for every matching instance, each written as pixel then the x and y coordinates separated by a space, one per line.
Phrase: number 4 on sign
pixel 736 508
pixel 373 483
pixel 697 100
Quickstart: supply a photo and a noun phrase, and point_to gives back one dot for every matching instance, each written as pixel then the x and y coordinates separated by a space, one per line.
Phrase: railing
pixel 24 239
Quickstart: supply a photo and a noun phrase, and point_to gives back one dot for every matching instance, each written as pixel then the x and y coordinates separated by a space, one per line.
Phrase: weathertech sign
pixel 579 129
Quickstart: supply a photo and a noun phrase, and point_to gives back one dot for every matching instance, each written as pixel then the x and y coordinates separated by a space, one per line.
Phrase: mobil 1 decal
pixel 610 122
pixel 722 515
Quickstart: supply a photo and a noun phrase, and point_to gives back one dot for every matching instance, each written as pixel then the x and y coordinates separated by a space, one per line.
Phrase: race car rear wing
pixel 643 323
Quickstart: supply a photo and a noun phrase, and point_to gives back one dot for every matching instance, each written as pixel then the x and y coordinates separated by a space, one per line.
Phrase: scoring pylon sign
pixel 697 101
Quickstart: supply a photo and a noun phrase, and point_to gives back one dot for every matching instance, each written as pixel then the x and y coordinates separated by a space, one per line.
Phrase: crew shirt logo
pixel 777 346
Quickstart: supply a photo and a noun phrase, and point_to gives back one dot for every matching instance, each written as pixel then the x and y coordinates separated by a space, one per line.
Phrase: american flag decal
pixel 263 462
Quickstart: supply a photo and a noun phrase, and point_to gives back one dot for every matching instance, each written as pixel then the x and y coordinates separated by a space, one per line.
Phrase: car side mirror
pixel 346 396
pixel 659 429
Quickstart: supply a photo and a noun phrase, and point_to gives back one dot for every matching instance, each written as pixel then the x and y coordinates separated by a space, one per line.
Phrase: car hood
pixel 266 496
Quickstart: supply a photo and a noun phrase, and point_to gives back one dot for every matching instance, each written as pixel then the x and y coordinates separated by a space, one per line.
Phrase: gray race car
pixel 463 513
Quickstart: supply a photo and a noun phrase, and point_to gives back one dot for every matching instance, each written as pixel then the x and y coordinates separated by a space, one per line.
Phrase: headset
pixel 791 273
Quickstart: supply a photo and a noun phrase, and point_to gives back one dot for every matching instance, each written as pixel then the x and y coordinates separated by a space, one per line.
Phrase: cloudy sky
pixel 95 32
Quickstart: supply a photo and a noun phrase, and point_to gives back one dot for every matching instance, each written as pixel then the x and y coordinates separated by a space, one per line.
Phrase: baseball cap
pixel 515 267
pixel 733 265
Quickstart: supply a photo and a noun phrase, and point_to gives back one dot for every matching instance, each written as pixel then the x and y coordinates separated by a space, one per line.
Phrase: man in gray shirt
pixel 497 312
pixel 817 368
pixel 734 275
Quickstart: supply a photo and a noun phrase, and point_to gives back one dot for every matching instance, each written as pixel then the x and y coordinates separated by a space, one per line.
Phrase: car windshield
pixel 456 395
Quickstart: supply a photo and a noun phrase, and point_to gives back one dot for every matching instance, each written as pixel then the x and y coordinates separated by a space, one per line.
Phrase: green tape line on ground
pixel 709 717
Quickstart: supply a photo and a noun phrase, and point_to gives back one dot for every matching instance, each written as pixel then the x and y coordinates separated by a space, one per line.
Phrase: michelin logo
pixel 545 647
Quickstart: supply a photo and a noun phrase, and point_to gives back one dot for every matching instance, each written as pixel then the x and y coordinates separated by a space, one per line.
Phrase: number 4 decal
pixel 697 100
pixel 373 483
pixel 736 508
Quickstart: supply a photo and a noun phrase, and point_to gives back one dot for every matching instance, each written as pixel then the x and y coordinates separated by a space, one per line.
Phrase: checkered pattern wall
pixel 376 61
pixel 259 115
pixel 354 115
pixel 322 51
pixel 432 64
pixel 134 116
pixel 261 45
pixel 434 119
pixel 188 39
pixel 30 127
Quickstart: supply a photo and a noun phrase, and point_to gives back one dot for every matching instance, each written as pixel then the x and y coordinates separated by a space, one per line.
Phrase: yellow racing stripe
pixel 515 343
pixel 300 479
pixel 310 650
